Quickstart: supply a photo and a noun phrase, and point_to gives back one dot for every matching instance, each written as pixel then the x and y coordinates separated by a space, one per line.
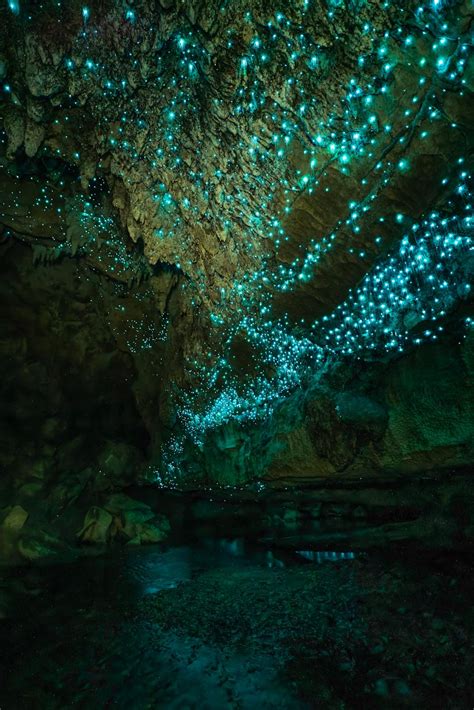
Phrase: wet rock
pixel 68 489
pixel 136 520
pixel 361 411
pixel 382 688
pixel 15 519
pixel 34 136
pixel 31 489
pixel 146 533
pixel 38 545
pixel 395 421
pixel 53 428
pixel 73 453
pixel 117 465
pixel 401 688
pixel 97 526
pixel 121 503
pixel 379 648
pixel 15 128
pixel 122 518
pixel 291 518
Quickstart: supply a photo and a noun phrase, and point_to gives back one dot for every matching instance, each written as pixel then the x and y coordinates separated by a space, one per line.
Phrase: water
pixel 221 624
pixel 324 556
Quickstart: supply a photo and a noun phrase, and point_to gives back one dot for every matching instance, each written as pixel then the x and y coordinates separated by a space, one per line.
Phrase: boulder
pixel 15 519
pixel 136 520
pixel 97 526
pixel 39 545
pixel 69 488
pixel 119 503
pixel 31 489
pixel 116 465
pixel 148 533
pixel 123 517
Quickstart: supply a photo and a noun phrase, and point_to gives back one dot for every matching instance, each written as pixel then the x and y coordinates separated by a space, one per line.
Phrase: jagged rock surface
pixel 133 213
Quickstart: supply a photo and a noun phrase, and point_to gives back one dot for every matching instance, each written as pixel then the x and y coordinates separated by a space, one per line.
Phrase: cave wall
pixel 82 397
pixel 158 266
pixel 83 413
pixel 413 416
pixel 70 394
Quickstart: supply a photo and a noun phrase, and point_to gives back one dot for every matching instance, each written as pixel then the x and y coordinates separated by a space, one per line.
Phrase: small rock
pixel 30 490
pixel 15 519
pixel 377 649
pixel 401 688
pixel 381 687
pixel 39 545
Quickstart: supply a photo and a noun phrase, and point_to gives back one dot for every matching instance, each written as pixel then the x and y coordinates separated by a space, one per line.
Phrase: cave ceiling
pixel 294 176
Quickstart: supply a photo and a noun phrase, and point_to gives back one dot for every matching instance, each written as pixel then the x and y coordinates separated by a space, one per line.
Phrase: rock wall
pixel 413 417
pixel 410 417
pixel 236 246
pixel 82 421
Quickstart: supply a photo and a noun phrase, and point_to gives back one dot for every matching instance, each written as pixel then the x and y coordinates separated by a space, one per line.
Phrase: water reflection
pixel 323 556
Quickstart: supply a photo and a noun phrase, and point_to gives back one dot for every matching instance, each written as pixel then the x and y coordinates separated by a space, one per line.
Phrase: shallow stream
pixel 221 624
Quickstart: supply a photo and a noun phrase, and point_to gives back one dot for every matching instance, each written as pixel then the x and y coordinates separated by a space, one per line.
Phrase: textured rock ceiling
pixel 299 170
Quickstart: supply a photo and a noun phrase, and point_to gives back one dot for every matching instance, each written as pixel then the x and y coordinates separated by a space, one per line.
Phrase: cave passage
pixel 236 353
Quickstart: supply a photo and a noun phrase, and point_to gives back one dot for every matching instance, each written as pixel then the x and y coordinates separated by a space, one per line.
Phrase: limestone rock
pixel 148 534
pixel 31 489
pixel 14 124
pixel 119 502
pixel 207 227
pixel 40 544
pixel 69 488
pixel 15 519
pixel 97 524
pixel 136 520
pixel 117 464
pixel 34 136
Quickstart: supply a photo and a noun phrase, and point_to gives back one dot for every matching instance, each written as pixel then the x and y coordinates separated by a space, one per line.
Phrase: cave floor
pixel 223 624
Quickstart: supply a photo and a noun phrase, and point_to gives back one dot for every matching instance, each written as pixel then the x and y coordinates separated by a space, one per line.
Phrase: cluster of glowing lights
pixel 272 137
pixel 400 303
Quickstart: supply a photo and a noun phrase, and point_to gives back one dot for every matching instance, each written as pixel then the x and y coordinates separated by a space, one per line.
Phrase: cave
pixel 237 354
